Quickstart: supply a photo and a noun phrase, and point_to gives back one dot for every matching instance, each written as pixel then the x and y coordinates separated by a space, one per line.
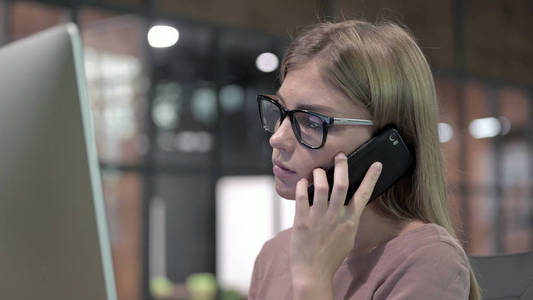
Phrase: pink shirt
pixel 424 263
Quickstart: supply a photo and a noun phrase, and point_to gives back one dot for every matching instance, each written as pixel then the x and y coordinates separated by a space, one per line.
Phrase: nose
pixel 283 138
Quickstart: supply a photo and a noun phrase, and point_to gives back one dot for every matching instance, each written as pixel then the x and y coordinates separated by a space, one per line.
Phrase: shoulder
pixel 428 261
pixel 279 242
pixel 434 240
pixel 275 248
pixel 274 254
pixel 428 244
pixel 271 270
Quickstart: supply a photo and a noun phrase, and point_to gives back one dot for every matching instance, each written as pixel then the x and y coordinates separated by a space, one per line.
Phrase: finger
pixel 340 184
pixel 363 193
pixel 320 198
pixel 302 200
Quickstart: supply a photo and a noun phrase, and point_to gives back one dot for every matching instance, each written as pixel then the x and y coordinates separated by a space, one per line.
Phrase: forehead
pixel 304 87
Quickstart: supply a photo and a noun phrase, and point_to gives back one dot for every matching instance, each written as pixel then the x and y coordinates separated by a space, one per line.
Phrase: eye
pixel 309 121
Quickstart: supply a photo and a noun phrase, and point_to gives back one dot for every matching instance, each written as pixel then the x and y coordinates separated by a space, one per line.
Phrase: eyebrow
pixel 312 107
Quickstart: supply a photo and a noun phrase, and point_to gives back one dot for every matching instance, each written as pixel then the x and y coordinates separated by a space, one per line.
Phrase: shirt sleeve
pixel 434 271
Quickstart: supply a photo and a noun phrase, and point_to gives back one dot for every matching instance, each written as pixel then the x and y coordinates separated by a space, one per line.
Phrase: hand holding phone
pixel 387 147
pixel 323 235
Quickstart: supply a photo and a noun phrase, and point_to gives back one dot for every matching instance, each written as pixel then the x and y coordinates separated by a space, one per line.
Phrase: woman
pixel 401 245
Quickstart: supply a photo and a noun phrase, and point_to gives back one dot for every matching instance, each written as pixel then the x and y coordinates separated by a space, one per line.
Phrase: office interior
pixel 186 166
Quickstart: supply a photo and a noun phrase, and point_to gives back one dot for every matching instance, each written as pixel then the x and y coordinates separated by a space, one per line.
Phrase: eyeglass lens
pixel 307 127
pixel 270 116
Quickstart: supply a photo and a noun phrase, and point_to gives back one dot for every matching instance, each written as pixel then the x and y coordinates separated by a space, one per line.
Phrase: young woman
pixel 401 245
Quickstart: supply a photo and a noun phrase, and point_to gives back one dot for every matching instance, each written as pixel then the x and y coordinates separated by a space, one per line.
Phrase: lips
pixel 280 170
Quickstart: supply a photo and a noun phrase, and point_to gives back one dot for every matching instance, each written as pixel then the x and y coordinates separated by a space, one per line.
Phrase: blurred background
pixel 186 167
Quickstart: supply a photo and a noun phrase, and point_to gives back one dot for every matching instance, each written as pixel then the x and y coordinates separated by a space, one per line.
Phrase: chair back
pixel 505 277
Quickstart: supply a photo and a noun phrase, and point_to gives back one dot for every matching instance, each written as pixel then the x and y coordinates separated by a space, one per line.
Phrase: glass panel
pixel 480 156
pixel 184 115
pixel 516 200
pixel 189 227
pixel 243 140
pixel 30 17
pixel 517 216
pixel 514 107
pixel 450 141
pixel 457 211
pixel 199 105
pixel 481 238
pixel 497 214
pixel 117 84
pixel 515 164
pixel 122 195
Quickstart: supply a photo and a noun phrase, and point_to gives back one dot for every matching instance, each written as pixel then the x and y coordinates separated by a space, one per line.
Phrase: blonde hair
pixel 380 67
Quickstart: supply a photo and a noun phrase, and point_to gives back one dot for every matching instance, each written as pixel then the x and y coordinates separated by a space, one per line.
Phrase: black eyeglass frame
pixel 326 120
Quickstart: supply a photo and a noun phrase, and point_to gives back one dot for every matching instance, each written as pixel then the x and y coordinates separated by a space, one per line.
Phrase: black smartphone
pixel 387 147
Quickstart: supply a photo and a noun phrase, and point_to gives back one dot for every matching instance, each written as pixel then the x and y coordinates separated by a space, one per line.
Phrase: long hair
pixel 381 68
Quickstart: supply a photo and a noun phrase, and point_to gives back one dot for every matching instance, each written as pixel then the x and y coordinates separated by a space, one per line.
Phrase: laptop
pixel 53 233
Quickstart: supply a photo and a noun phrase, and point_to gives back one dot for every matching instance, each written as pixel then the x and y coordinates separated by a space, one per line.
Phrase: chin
pixel 284 191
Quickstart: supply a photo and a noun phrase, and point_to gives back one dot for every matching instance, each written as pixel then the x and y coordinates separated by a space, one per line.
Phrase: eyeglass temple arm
pixel 343 121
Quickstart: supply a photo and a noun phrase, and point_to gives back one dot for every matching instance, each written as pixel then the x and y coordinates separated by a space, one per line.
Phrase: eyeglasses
pixel 310 128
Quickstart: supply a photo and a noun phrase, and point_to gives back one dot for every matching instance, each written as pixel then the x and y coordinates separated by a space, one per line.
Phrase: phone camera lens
pixel 394 139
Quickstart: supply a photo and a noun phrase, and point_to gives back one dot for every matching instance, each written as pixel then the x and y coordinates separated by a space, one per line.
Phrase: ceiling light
pixel 267 62
pixel 445 132
pixel 485 127
pixel 162 36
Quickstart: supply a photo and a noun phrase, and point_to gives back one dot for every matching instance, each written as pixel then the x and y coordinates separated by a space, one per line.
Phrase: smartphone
pixel 387 147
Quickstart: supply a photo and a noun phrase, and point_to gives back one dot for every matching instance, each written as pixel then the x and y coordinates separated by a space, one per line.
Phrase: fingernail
pixel 379 166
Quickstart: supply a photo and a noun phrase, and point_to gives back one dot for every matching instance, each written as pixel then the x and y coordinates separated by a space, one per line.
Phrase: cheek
pixel 360 137
pixel 350 140
pixel 322 159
